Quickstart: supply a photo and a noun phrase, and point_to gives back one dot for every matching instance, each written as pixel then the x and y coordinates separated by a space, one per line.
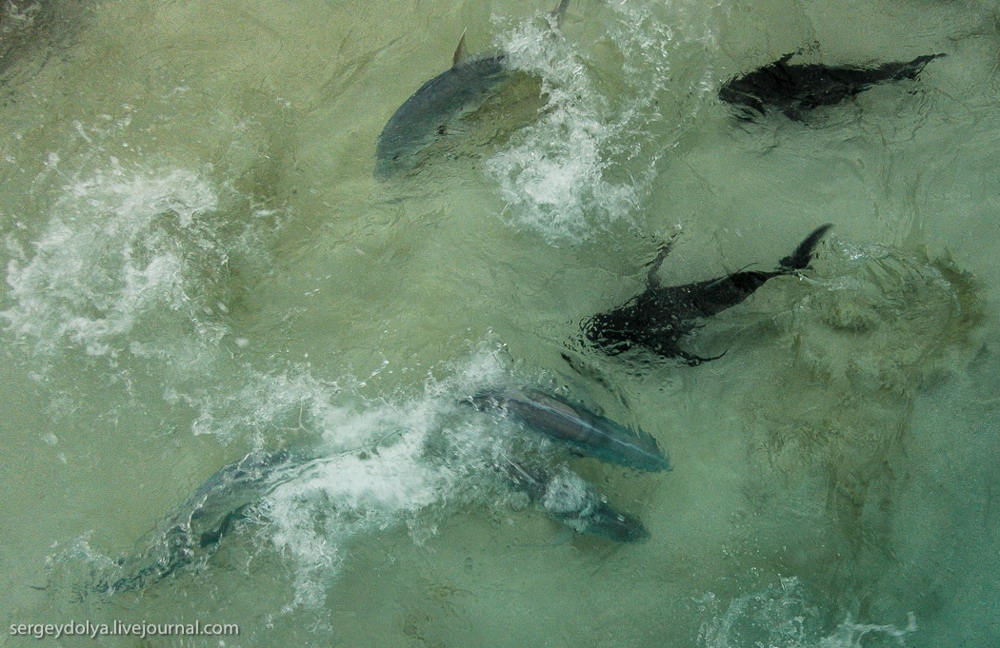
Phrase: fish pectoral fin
pixel 792 112
pixel 460 56
pixel 652 279
pixel 802 256
pixel 749 115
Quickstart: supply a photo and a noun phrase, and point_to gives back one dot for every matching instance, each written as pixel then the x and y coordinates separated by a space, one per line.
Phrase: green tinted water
pixel 198 263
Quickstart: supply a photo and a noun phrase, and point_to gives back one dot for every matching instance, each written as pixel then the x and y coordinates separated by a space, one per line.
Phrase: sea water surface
pixel 198 263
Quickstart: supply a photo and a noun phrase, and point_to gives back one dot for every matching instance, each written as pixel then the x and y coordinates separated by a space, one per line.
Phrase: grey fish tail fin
pixel 802 255
pixel 650 442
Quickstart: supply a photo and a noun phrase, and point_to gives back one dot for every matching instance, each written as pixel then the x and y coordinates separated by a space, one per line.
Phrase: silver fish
pixel 424 117
pixel 589 433
pixel 194 531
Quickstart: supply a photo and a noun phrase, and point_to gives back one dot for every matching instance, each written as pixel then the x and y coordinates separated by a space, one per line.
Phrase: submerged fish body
pixel 660 316
pixel 423 117
pixel 193 532
pixel 590 434
pixel 793 88
pixel 569 499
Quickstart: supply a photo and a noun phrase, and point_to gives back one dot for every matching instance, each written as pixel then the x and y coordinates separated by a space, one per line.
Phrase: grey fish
pixel 589 433
pixel 424 117
pixel 570 500
pixel 660 316
pixel 194 532
pixel 793 89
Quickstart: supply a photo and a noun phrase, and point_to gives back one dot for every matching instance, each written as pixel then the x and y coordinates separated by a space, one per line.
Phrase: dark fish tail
pixel 800 258
pixel 913 69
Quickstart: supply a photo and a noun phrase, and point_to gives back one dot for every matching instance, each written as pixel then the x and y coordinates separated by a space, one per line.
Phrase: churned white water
pixel 199 264
pixel 114 249
pixel 589 160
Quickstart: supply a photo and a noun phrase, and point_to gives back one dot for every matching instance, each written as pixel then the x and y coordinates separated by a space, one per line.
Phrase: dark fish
pixel 425 116
pixel 568 499
pixel 193 533
pixel 661 315
pixel 590 434
pixel 793 89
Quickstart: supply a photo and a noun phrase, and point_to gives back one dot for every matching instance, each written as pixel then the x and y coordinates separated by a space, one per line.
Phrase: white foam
pixel 378 468
pixel 849 634
pixel 552 173
pixel 339 497
pixel 116 246
pixel 782 617
pixel 262 405
pixel 589 158
pixel 565 493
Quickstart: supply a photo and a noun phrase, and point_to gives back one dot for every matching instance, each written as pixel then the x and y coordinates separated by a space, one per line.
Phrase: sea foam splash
pixel 589 159
pixel 334 499
pixel 385 465
pixel 117 246
pixel 782 617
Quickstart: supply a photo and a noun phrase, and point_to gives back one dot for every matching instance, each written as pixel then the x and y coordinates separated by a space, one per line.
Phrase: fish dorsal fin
pixel 461 56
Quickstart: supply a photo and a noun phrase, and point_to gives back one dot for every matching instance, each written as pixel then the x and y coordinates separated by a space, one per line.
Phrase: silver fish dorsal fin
pixel 461 56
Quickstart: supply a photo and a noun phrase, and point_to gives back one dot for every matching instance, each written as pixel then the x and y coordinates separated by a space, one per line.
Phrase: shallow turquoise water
pixel 199 263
